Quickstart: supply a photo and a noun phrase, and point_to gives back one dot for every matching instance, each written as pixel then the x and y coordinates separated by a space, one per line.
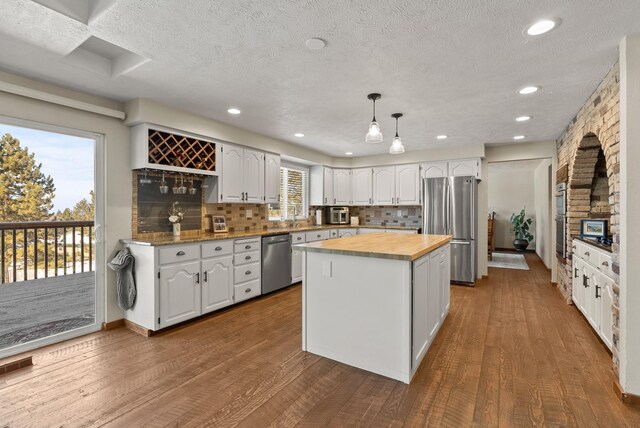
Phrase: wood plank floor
pixel 510 354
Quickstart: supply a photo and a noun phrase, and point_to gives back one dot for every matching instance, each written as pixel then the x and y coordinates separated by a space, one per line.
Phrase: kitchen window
pixel 294 194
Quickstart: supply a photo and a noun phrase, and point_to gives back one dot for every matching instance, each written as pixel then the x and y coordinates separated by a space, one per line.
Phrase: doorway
pixel 51 251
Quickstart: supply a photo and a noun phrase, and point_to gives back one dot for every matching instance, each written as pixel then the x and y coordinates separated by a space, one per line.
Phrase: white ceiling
pixel 451 66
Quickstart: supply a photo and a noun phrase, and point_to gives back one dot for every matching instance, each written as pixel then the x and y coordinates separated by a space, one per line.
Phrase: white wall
pixel 545 247
pixel 510 188
pixel 629 213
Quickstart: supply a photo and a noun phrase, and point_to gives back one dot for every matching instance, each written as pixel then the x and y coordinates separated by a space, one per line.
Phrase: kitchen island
pixel 375 301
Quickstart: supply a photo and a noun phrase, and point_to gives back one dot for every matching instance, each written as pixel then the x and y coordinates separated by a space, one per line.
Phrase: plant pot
pixel 520 244
pixel 176 229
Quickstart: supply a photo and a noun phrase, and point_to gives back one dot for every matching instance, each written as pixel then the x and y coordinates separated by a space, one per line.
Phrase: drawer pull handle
pixel 218 248
pixel 248 272
pixel 247 258
pixel 605 263
pixel 299 238
pixel 206 277
pixel 586 253
pixel 248 290
pixel 180 253
pixel 317 236
pixel 598 295
pixel 198 278
pixel 247 247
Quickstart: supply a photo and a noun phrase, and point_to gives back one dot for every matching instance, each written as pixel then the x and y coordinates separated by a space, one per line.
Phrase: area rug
pixel 509 261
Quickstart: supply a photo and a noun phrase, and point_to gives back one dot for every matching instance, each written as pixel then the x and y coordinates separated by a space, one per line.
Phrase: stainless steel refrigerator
pixel 450 206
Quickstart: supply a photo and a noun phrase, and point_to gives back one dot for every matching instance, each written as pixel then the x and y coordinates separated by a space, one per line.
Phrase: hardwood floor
pixel 510 354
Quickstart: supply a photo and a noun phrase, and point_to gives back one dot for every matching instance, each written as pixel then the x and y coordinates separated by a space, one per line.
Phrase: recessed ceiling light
pixel 299 134
pixel 522 118
pixel 441 137
pixel 349 153
pixel 233 110
pixel 529 90
pixel 315 44
pixel 519 137
pixel 541 27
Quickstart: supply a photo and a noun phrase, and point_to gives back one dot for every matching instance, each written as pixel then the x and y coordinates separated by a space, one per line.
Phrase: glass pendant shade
pixel 374 135
pixel 396 146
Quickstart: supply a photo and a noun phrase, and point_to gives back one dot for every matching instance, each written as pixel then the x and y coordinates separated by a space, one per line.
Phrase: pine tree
pixel 26 194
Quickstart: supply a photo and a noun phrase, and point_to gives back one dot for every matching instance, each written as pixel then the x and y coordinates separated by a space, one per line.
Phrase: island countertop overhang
pixel 380 245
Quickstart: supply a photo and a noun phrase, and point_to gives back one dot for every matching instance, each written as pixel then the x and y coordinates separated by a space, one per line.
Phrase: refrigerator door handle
pixel 447 206
pixel 461 242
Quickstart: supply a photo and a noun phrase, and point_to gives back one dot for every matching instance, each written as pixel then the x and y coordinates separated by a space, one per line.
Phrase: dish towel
pixel 124 265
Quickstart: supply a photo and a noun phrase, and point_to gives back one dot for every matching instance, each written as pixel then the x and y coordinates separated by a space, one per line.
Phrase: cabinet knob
pixel 299 238
pixel 180 253
pixel 248 290
pixel 218 248
pixel 247 247
pixel 586 253
pixel 247 258
pixel 605 263
pixel 317 236
pixel 248 272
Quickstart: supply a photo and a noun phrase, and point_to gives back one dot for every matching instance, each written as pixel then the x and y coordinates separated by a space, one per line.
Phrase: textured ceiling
pixel 451 66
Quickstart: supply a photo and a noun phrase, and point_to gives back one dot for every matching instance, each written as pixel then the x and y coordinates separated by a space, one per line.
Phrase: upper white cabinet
pixel 396 185
pixel 408 184
pixel 158 147
pixel 341 187
pixel 362 186
pixel 271 178
pixel 384 185
pixel 244 178
pixel 435 169
pixel 321 185
pixel 455 168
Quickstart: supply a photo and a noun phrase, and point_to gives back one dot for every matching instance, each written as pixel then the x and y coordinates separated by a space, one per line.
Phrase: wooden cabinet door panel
pixel 271 178
pixel 253 176
pixel 217 283
pixel 180 295
pixel 384 185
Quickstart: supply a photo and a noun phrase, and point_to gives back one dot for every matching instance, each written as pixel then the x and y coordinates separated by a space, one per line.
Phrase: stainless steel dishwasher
pixel 276 263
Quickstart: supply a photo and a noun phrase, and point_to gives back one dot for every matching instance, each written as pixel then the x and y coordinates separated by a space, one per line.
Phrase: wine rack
pixel 168 149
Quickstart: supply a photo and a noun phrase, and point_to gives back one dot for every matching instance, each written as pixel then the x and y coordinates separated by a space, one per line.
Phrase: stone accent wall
pixel 600 207
pixel 595 129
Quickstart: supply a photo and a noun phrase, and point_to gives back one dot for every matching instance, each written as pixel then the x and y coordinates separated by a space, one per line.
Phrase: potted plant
pixel 176 215
pixel 520 226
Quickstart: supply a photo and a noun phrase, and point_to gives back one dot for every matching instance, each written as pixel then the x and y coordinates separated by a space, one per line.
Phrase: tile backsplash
pixel 389 215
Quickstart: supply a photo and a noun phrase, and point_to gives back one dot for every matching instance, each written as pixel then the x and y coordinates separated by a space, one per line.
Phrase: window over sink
pixel 294 195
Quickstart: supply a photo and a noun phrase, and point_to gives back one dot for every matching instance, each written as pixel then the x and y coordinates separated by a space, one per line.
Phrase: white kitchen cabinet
pixel 362 186
pixel 253 176
pixel 435 169
pixel 217 283
pixel 465 167
pixel 384 185
pixel 271 178
pixel 593 285
pixel 318 235
pixel 296 256
pixel 320 185
pixel 180 294
pixel 341 187
pixel 407 184
pixel 231 179
pixel 434 294
pixel 421 330
pixel 347 232
pixel 445 278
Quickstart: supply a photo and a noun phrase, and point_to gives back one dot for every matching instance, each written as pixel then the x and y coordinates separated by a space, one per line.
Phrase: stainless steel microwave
pixel 337 215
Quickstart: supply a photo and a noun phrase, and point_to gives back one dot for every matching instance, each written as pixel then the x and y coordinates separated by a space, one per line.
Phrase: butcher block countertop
pixel 380 245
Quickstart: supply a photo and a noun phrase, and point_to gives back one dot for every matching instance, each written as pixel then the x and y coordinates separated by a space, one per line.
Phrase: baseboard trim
pixel 16 365
pixel 138 329
pixel 512 250
pixel 112 324
pixel 625 397
pixel 554 284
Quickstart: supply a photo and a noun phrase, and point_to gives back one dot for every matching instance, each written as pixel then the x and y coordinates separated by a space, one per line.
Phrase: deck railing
pixel 32 250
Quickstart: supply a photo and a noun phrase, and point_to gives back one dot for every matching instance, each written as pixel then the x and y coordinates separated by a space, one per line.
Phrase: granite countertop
pixel 593 242
pixel 380 245
pixel 208 236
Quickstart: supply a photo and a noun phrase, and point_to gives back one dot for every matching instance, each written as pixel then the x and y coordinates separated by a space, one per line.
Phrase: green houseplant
pixel 521 228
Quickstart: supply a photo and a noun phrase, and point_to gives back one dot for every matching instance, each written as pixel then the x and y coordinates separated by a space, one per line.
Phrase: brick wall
pixel 588 148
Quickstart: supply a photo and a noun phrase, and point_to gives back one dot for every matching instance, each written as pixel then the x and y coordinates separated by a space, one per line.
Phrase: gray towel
pixel 124 265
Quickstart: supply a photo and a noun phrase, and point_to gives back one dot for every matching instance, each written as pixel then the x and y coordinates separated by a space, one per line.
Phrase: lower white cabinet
pixel 296 256
pixel 592 288
pixel 180 295
pixel 217 283
pixel 347 232
pixel 366 230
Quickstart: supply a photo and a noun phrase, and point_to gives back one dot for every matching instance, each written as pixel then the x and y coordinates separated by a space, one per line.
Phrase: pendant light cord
pixel 374 110
pixel 397 127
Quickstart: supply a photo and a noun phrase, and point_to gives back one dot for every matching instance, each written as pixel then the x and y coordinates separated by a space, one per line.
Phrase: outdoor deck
pixel 38 308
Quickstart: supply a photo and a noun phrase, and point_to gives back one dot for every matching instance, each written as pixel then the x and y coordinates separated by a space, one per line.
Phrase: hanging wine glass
pixel 192 189
pixel 164 187
pixel 176 186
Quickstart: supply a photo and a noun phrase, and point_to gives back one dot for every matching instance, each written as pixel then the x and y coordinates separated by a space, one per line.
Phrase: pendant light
pixel 396 146
pixel 374 135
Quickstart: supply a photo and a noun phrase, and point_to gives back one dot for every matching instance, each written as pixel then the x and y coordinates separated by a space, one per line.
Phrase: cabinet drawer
pixel 218 248
pixel 244 258
pixel 243 245
pixel 178 254
pixel 605 263
pixel 298 238
pixel 246 272
pixel 318 235
pixel 588 254
pixel 246 291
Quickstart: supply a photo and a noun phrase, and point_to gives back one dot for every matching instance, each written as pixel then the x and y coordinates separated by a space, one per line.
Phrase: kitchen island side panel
pixel 357 310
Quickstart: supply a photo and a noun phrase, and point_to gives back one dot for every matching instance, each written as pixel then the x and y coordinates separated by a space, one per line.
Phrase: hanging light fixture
pixel 396 146
pixel 374 135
